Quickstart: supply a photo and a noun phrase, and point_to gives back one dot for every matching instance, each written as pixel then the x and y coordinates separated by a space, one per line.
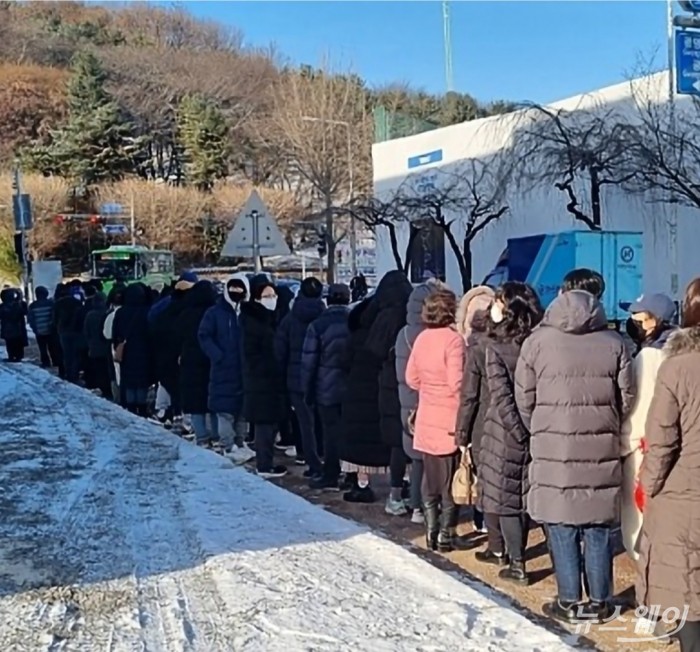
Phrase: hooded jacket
pixel 476 300
pixel 131 327
pixel 391 300
pixel 474 397
pixel 40 316
pixel 290 335
pixel 323 356
pixel 408 398
pixel 194 364
pixel 361 441
pixel 13 310
pixel 574 387
pixel 220 338
pixel 669 573
pixel 98 346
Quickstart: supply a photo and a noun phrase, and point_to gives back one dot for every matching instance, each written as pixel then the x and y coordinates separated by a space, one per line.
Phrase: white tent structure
pixel 541 208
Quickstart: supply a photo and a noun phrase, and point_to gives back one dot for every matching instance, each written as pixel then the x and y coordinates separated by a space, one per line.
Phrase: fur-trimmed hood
pixel 684 340
pixel 474 302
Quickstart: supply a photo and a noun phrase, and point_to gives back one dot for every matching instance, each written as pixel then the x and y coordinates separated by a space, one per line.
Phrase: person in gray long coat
pixel 407 396
pixel 574 386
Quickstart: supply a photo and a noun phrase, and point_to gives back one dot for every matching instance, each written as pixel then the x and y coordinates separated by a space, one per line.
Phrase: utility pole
pixel 254 216
pixel 447 39
pixel 132 220
pixel 673 218
pixel 22 222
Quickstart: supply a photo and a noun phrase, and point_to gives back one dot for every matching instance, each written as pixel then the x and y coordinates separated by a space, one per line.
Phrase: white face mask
pixel 269 302
pixel 496 314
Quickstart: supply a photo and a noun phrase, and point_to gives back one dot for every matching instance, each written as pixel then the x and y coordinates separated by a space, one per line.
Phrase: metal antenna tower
pixel 447 36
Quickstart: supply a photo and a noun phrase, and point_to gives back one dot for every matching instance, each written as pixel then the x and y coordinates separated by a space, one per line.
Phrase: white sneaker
pixel 240 454
pixel 290 451
pixel 417 517
pixel 395 507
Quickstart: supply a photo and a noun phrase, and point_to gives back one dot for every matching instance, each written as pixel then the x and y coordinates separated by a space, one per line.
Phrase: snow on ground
pixel 115 535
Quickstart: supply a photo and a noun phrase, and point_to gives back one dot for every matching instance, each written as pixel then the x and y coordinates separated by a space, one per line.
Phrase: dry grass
pixel 166 217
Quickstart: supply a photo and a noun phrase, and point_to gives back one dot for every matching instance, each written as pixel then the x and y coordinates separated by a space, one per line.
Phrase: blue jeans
pixel 233 429
pixel 568 558
pixel 199 424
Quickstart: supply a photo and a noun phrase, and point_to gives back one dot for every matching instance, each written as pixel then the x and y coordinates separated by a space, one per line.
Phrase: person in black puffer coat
pixel 264 397
pixel 163 321
pixel 392 297
pixel 13 326
pixel 323 377
pixel 374 325
pixel 40 318
pixel 289 344
pixel 99 354
pixel 130 335
pixel 194 365
pixel 68 315
pixel 504 454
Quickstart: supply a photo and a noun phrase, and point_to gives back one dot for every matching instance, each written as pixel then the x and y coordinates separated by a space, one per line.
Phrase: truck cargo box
pixel 542 261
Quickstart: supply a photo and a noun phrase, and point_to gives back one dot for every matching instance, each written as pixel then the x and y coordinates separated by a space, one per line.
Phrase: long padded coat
pixel 194 364
pixel 669 556
pixel 131 327
pixel 574 387
pixel 264 395
pixel 221 340
pixel 503 456
pixel 360 438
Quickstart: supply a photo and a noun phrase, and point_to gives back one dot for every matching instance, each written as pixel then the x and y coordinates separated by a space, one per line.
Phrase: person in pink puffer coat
pixel 434 370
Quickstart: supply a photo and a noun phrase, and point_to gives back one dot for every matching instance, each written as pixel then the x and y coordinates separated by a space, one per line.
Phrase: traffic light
pixel 322 245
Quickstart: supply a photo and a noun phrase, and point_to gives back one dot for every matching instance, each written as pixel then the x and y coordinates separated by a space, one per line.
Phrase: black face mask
pixel 236 297
pixel 635 331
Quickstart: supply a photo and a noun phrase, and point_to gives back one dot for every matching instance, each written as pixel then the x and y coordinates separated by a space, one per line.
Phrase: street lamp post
pixel 353 230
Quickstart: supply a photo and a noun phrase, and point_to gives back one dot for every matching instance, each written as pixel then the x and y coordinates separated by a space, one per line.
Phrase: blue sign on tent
pixel 111 208
pixel 424 159
pixel 688 62
pixel 115 229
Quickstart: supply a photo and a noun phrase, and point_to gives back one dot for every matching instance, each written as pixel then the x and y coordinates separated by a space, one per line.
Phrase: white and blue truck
pixel 542 261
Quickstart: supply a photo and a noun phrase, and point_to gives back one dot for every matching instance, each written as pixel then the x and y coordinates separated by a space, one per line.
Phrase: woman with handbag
pixel 504 455
pixel 434 370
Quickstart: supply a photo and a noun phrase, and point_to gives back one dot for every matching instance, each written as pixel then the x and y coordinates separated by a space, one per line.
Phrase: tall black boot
pixel 448 525
pixel 431 514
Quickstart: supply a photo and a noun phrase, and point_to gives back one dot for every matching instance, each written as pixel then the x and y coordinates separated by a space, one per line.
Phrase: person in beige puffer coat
pixel 649 328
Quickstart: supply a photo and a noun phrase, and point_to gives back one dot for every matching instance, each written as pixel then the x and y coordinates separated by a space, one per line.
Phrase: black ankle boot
pixel 431 514
pixel 515 572
pixel 448 525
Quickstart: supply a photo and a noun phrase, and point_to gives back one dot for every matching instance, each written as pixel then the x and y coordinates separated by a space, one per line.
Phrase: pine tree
pixel 204 136
pixel 97 143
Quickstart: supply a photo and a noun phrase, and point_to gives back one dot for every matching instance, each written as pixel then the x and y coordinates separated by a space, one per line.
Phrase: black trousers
pixel 15 349
pixel 497 544
pixel 515 530
pixel 330 426
pixel 44 344
pixel 99 376
pixel 438 472
pixel 689 636
pixel 397 467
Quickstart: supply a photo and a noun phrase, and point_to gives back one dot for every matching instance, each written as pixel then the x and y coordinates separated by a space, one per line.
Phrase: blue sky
pixel 518 50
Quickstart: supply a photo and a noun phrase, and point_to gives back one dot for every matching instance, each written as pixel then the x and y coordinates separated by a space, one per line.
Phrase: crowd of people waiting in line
pixel 565 425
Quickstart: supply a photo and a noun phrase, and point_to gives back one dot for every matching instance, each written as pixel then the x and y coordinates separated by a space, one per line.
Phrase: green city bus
pixel 131 264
